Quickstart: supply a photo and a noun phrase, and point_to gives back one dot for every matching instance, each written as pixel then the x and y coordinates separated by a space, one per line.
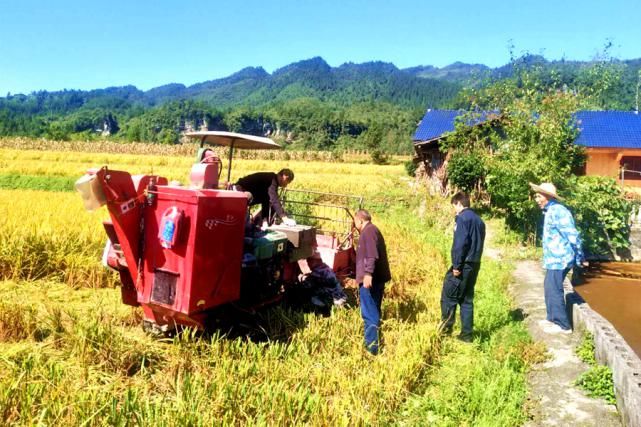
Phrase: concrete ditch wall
pixel 635 234
pixel 611 350
pixel 635 241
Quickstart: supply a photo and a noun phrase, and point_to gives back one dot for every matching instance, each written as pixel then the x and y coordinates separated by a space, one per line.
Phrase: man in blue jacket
pixel 372 272
pixel 460 279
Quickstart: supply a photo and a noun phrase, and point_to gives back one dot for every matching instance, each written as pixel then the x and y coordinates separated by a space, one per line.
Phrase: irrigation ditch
pixel 607 305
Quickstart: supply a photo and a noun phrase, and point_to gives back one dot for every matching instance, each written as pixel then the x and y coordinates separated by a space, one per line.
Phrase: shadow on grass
pixel 513 316
pixel 518 315
pixel 277 322
pixel 407 310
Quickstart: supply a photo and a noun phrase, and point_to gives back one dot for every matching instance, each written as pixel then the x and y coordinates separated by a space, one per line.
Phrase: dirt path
pixel 553 398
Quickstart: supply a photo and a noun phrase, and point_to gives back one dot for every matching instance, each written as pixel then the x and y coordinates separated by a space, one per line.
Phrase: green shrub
pixel 466 171
pixel 601 213
pixel 597 382
pixel 379 158
pixel 410 167
pixel 585 350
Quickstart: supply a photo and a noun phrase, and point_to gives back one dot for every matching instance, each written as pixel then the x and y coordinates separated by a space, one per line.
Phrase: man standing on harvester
pixel 263 187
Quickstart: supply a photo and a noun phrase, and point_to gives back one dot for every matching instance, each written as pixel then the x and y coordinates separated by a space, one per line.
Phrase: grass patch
pixel 37 182
pixel 482 383
pixel 597 380
pixel 512 243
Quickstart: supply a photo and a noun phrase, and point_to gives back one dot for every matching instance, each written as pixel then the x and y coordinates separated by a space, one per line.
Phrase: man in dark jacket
pixel 372 272
pixel 458 286
pixel 263 187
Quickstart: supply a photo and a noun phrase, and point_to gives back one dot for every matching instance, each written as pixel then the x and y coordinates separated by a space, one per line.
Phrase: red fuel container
pixel 201 268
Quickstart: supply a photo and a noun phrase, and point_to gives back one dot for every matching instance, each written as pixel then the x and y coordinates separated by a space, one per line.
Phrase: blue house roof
pixel 603 129
pixel 435 123
pixel 598 129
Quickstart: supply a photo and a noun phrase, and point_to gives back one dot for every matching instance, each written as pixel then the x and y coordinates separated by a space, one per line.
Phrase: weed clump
pixel 597 380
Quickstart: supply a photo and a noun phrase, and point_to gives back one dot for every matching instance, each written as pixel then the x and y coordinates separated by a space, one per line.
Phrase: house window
pixel 632 166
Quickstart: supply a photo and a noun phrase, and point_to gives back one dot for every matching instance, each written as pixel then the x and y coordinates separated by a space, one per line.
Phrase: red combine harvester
pixel 183 252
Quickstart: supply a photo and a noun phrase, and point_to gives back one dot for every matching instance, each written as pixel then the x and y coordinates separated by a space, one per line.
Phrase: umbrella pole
pixel 231 154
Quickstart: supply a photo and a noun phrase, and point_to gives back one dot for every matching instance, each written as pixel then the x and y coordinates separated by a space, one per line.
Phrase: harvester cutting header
pixel 183 252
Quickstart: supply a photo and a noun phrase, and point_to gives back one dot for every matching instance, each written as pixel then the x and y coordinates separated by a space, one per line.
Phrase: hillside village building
pixel 612 140
pixel 613 144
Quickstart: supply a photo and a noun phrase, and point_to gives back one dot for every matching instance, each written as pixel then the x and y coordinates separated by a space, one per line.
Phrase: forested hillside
pixel 307 104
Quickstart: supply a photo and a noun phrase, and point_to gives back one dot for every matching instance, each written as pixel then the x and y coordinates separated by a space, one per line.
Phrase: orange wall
pixel 607 162
pixel 602 163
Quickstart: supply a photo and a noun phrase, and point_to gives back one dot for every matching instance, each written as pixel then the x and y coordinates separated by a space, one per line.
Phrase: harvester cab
pixel 183 252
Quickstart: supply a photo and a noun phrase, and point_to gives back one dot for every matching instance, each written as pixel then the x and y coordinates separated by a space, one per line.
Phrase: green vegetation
pixel 596 381
pixel 308 104
pixel 466 171
pixel 410 167
pixel 482 383
pixel 601 212
pixel 48 183
pixel 528 136
pixel 585 350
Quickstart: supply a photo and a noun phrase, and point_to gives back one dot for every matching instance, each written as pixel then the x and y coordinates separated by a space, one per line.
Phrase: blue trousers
pixel 555 298
pixel 459 291
pixel 370 300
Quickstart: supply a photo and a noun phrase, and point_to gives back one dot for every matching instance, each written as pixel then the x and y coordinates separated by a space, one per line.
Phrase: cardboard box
pixel 298 235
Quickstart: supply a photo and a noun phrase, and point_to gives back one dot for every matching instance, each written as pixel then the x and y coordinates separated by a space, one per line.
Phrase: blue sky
pixel 74 44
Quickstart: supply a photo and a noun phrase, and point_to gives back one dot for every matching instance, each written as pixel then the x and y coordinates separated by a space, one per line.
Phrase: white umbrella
pixel 233 140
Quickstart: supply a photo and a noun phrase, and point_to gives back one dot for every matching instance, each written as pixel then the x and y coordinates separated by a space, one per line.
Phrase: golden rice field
pixel 72 354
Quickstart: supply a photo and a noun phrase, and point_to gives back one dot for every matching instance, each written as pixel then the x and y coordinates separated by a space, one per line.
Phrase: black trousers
pixel 459 291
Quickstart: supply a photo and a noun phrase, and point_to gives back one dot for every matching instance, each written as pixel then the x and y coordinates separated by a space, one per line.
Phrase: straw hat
pixel 547 189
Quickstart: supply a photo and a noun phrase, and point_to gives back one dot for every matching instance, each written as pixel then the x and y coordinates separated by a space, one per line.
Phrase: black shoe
pixel 464 338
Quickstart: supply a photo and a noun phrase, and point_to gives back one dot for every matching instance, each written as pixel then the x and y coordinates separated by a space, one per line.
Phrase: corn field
pixel 186 150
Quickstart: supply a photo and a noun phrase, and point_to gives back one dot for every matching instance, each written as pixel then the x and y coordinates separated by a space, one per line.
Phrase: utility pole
pixel 638 84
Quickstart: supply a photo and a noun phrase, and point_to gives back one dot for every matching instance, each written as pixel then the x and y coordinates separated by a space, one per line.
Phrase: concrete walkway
pixel 554 399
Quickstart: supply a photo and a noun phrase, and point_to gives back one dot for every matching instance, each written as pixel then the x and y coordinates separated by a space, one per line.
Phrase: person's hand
pixel 367 281
pixel 456 272
pixel 289 222
pixel 585 264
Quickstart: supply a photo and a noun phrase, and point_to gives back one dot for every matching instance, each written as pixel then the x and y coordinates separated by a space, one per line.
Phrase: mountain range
pixel 329 99
pixel 423 85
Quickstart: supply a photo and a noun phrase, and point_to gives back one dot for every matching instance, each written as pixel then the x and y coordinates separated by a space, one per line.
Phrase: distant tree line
pixel 305 105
